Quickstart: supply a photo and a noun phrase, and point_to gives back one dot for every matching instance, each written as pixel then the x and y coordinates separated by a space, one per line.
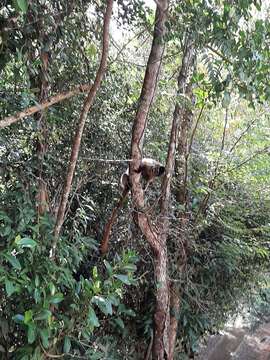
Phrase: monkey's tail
pixel 108 227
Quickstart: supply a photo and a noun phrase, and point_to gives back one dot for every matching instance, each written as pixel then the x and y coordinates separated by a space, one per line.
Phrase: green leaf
pixel 119 322
pixel 23 5
pixel 37 281
pixel 37 296
pixel 44 334
pixel 10 288
pixel 108 267
pixel 130 267
pixel 67 345
pixel 91 50
pixel 13 261
pixel 95 272
pixel 43 315
pixel 114 300
pixel 123 278
pixel 17 238
pixel 92 318
pixel 28 315
pixel 6 231
pixel 52 288
pixel 105 305
pixel 31 334
pixel 57 298
pixel 27 242
pixel 128 312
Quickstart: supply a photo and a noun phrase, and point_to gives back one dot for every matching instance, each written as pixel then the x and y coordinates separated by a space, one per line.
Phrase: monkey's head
pixel 161 170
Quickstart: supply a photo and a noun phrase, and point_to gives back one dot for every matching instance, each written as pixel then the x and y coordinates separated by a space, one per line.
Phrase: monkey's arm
pixel 108 227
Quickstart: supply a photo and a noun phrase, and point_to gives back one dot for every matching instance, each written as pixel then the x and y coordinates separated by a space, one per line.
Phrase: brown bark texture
pixel 9 120
pixel 40 81
pixel 152 235
pixel 78 136
pixel 108 227
pixel 174 310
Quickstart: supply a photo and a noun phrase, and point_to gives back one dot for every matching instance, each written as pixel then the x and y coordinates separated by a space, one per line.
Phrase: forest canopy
pixel 171 100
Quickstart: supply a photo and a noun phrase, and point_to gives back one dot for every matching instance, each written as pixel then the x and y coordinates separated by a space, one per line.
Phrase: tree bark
pixel 40 81
pixel 174 310
pixel 78 136
pixel 152 235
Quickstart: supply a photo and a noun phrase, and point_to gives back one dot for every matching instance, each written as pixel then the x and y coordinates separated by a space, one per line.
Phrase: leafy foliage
pixel 79 304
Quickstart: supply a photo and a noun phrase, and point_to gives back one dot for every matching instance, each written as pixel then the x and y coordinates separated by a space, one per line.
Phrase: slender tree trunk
pixel 160 342
pixel 78 136
pixel 40 81
pixel 174 311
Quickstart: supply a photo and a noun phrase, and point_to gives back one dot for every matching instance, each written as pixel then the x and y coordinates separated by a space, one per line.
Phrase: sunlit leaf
pixel 27 242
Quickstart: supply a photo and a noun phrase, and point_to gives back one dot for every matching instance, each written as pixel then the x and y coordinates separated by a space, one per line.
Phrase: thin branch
pixel 7 121
pixel 219 54
pixel 120 51
pixel 108 160
pixel 211 182
pixel 78 136
pixel 244 162
pixel 52 356
pixel 183 77
pixel 195 129
pixel 236 167
pixel 241 135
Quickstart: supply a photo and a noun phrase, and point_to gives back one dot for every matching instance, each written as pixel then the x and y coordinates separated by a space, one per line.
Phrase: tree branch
pixel 78 136
pixel 140 122
pixel 9 120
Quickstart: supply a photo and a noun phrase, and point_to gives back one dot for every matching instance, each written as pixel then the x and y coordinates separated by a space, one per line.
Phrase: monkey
pixel 149 170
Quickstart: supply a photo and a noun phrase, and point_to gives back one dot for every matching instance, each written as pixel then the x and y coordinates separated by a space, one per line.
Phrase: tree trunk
pixel 78 136
pixel 174 311
pixel 164 339
pixel 161 348
pixel 154 237
pixel 40 81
